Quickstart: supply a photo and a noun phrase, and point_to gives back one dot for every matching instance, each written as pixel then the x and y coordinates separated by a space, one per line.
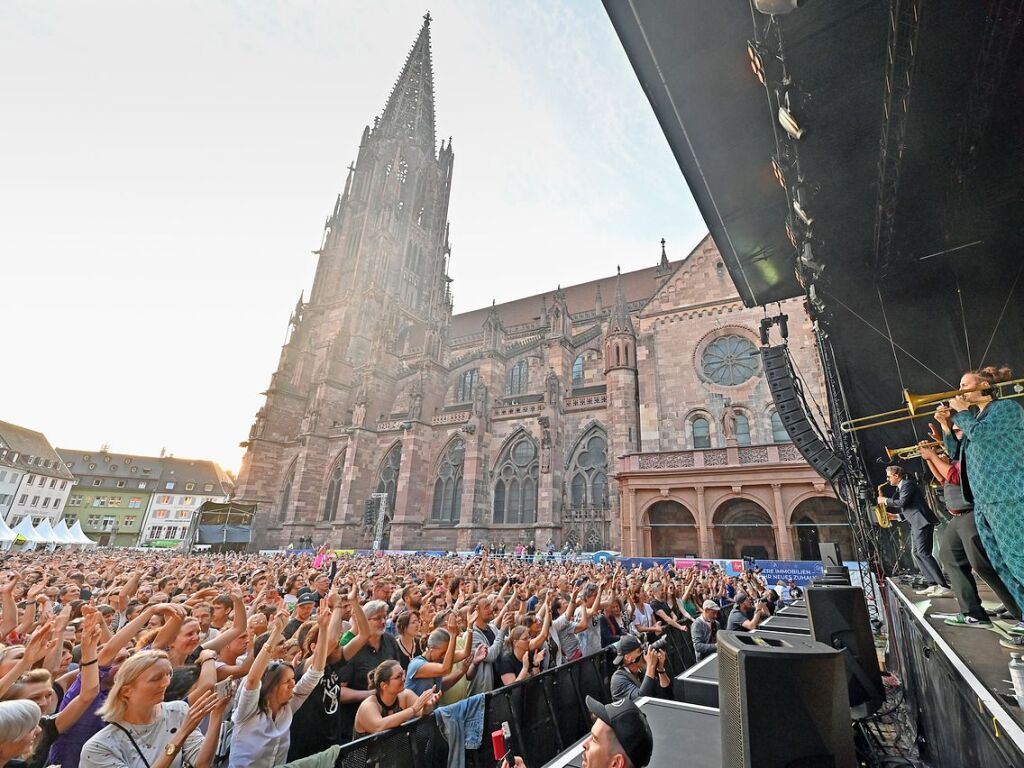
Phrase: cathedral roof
pixel 638 285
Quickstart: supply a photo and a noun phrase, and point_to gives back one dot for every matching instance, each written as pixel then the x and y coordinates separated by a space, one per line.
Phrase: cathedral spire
pixel 409 112
pixel 620 322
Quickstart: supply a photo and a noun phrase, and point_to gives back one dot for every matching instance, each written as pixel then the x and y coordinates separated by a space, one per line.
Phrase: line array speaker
pixel 790 408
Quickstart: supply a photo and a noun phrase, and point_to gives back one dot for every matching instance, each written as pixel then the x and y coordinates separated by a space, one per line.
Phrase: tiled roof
pixel 34 452
pixel 638 285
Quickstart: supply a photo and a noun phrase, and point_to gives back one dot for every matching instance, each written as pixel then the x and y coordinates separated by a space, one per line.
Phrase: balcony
pixel 701 458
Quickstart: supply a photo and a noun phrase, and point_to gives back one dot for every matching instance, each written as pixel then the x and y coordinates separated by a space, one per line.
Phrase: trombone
pixel 916 403
pixel 911 451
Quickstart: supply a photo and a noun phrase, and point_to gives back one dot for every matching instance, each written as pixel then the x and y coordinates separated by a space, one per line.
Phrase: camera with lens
pixel 661 644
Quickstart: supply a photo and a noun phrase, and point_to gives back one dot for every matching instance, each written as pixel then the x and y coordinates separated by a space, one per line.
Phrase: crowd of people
pixel 124 659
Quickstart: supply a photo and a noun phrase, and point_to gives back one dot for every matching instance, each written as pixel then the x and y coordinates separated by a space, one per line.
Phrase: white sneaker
pixel 927 591
pixel 940 591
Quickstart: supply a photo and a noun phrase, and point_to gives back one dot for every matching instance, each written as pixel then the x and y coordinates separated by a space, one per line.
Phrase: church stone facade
pixel 628 413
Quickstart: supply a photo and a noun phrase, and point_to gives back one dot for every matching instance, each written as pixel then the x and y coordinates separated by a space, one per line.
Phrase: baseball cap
pixel 630 727
pixel 306 598
pixel 710 605
pixel 626 644
pixel 740 597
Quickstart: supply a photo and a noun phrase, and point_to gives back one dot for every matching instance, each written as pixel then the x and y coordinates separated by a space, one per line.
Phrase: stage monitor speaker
pixel 839 618
pixel 790 408
pixel 831 557
pixel 801 683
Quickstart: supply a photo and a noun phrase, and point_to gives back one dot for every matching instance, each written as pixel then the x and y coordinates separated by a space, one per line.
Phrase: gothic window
pixel 589 471
pixel 700 430
pixel 779 433
pixel 387 480
pixel 729 360
pixel 286 493
pixel 577 371
pixel 742 429
pixel 448 485
pixel 467 383
pixel 515 490
pixel 517 381
pixel 333 496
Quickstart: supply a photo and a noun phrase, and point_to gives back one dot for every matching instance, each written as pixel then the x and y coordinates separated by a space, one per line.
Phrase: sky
pixel 167 168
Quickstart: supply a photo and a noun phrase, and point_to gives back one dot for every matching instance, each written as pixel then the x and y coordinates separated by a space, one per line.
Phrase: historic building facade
pixel 628 413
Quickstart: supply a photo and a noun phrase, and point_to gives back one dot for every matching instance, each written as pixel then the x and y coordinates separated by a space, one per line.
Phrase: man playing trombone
pixel 910 505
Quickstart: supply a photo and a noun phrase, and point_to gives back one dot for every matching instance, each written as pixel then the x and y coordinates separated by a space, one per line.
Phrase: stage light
pixel 799 211
pixel 789 123
pixel 777 7
pixel 756 60
pixel 806 259
pixel 780 175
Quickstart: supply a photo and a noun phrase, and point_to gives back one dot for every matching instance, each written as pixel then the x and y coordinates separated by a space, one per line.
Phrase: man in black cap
pixel 745 617
pixel 627 683
pixel 619 738
pixel 303 611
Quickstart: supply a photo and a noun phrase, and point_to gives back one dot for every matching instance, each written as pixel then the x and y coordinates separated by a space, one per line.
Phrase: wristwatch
pixel 171 750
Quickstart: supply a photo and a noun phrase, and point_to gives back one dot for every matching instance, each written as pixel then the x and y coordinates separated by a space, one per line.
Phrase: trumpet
pixel 915 405
pixel 911 451
pixel 882 511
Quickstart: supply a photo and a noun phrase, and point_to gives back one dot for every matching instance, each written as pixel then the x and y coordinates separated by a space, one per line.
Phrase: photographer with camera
pixel 747 615
pixel 631 656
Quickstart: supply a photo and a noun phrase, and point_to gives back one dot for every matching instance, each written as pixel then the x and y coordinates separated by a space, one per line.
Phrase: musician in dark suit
pixel 909 504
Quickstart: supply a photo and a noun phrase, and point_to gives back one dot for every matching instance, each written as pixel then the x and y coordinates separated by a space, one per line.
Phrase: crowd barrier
pixel 547 714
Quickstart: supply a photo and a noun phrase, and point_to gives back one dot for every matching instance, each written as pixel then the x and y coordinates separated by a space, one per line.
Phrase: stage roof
pixel 944 292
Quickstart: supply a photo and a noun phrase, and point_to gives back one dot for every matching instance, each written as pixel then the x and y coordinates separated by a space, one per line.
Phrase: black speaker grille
pixel 791 412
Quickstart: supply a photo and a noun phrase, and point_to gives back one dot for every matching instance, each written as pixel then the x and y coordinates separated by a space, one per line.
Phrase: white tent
pixel 79 537
pixel 25 535
pixel 45 532
pixel 61 534
pixel 6 535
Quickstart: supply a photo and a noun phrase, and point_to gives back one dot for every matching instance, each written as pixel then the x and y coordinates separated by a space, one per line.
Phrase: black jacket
pixel 910 503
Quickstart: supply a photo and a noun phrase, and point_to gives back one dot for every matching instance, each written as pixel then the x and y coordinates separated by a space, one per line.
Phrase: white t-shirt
pixel 111 747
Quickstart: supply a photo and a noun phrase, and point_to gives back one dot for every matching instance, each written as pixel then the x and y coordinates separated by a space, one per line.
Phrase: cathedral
pixel 629 413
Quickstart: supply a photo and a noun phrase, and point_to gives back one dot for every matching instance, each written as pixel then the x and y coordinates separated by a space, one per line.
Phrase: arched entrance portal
pixel 821 520
pixel 742 528
pixel 672 530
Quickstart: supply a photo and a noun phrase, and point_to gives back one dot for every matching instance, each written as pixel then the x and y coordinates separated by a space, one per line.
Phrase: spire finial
pixel 663 246
pixel 618 270
pixel 426 18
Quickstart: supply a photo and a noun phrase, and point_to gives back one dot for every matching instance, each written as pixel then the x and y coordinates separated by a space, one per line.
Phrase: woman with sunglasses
pixel 392 703
pixel 263 716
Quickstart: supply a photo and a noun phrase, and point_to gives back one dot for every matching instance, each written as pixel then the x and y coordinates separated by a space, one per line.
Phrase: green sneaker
pixel 962 620
pixel 1018 628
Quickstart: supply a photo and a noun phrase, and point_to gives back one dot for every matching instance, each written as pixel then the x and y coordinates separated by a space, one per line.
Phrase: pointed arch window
pixel 515 489
pixel 518 379
pixel 577 371
pixel 387 479
pixel 286 493
pixel 588 469
pixel 333 496
pixel 700 431
pixel 467 383
pixel 779 433
pixel 448 484
pixel 742 429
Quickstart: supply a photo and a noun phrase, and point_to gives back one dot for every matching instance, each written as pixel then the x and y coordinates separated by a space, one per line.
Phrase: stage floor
pixel 977 649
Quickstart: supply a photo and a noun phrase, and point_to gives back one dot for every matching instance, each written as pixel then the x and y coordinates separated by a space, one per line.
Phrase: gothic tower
pixel 380 306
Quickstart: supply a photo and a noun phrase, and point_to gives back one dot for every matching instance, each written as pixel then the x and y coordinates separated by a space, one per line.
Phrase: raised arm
pixel 90 671
pixel 239 624
pixel 36 648
pixel 174 617
pixel 9 617
pixel 124 635
pixel 435 669
pixel 259 666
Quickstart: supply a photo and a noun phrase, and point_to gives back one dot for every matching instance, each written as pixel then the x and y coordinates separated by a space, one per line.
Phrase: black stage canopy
pixel 909 169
